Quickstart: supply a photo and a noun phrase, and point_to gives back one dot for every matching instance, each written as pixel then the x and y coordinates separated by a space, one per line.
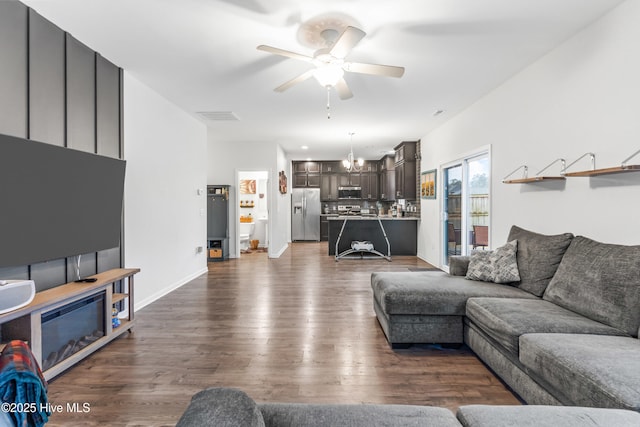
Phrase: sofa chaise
pixel 564 333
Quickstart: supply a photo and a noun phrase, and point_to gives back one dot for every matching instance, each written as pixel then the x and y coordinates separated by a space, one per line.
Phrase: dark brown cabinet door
pixel 329 187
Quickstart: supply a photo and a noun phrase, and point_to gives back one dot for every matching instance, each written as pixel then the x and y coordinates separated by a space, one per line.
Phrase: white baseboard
pixel 280 252
pixel 145 302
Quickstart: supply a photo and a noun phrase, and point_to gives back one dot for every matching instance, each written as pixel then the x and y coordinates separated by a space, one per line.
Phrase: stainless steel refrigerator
pixel 305 214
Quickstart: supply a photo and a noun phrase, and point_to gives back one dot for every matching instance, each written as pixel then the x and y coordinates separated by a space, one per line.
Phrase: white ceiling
pixel 201 55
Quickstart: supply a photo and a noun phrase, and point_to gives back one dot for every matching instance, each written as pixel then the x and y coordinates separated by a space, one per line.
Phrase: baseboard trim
pixel 280 252
pixel 145 302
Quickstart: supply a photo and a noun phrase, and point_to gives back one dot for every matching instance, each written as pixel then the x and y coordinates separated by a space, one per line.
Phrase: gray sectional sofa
pixel 565 333
pixel 228 407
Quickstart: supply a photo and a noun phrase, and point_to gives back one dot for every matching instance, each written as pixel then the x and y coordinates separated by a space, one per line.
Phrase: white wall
pixel 582 97
pixel 224 162
pixel 165 218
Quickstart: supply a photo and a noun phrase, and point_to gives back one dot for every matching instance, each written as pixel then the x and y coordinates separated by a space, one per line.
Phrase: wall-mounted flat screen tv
pixel 56 202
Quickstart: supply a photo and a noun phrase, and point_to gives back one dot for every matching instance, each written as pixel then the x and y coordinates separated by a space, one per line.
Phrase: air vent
pixel 219 116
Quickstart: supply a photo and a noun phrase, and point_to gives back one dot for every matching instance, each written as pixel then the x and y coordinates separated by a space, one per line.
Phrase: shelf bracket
pixel 562 166
pixel 625 161
pixel 525 171
pixel 593 162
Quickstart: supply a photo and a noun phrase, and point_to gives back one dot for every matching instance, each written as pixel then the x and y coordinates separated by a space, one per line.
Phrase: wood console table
pixel 26 323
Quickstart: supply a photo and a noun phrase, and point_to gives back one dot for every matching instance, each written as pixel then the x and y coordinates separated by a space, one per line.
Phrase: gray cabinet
pixel 349 179
pixel 306 174
pixel 387 178
pixel 369 183
pixel 331 167
pixel 329 187
pixel 405 170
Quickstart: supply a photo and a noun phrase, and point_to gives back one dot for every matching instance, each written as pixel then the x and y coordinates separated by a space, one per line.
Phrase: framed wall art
pixel 247 186
pixel 428 184
pixel 282 182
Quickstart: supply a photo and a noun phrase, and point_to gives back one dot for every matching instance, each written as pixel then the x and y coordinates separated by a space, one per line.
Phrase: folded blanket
pixel 22 382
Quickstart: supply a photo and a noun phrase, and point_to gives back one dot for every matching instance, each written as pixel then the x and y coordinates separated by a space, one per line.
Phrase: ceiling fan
pixel 330 63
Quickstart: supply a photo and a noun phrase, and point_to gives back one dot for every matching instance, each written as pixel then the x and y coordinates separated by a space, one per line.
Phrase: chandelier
pixel 350 163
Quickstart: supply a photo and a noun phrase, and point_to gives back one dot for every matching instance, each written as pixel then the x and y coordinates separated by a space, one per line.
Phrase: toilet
pixel 246 231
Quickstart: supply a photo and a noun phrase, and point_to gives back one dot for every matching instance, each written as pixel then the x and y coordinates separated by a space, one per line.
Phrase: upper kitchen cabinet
pixel 331 167
pixel 369 181
pixel 387 177
pixel 405 170
pixel 328 187
pixel 306 174
pixel 349 179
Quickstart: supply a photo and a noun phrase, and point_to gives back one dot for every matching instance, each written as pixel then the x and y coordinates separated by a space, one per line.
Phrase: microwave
pixel 349 192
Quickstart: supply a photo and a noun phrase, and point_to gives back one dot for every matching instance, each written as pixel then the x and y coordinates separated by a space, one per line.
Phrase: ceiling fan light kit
pixel 330 64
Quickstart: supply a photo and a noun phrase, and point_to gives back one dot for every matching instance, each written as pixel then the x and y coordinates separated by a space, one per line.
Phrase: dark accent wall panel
pixel 107 108
pixel 20 272
pixel 87 266
pixel 46 81
pixel 49 274
pixel 56 90
pixel 81 96
pixel 13 68
pixel 108 259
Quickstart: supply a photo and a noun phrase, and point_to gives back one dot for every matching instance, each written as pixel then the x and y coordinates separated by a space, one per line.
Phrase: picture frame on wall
pixel 428 184
pixel 247 186
pixel 282 182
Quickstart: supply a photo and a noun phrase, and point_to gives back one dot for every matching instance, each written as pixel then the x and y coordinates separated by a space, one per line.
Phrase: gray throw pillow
pixel 505 264
pixel 600 281
pixel 499 266
pixel 480 267
pixel 538 257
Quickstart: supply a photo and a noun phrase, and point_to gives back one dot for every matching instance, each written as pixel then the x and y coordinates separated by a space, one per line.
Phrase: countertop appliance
pixel 349 193
pixel 305 214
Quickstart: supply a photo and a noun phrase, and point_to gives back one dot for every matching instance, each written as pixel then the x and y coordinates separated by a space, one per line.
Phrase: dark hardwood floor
pixel 300 328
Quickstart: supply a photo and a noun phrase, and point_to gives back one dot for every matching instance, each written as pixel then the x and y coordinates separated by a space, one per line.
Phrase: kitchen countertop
pixel 369 218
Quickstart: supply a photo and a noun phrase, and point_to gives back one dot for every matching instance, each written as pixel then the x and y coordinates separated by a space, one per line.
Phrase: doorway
pixel 252 226
pixel 466 203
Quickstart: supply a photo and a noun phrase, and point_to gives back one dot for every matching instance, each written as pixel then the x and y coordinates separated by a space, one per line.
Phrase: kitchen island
pixel 401 232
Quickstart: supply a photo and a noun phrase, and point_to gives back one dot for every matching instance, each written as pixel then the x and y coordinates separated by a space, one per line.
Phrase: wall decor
pixel 428 184
pixel 247 186
pixel 282 182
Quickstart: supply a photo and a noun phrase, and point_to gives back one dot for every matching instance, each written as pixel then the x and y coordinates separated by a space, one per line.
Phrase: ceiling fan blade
pixel 375 69
pixel 350 37
pixel 302 77
pixel 282 52
pixel 343 90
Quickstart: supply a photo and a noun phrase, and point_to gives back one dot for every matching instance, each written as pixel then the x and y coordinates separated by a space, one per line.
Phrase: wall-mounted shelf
pixel 606 171
pixel 537 178
pixel 533 179
pixel 623 168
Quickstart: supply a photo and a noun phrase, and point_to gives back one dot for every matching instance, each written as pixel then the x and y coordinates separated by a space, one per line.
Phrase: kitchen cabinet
pixel 324 228
pixel 329 186
pixel 387 190
pixel 331 167
pixel 306 174
pixel 405 170
pixel 309 167
pixel 349 179
pixel 369 184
